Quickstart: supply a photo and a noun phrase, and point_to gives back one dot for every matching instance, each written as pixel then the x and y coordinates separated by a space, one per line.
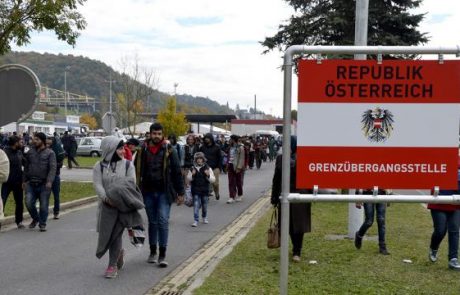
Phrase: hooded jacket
pixel 104 175
pixel 200 182
pixel 212 152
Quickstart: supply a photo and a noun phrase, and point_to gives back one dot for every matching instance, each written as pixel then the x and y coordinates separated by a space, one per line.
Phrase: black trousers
pixel 18 194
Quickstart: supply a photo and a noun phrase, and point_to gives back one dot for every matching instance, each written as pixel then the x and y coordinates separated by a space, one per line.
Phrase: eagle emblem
pixel 377 124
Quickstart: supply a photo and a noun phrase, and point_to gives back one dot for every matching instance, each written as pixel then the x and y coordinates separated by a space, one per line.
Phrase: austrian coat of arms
pixel 377 124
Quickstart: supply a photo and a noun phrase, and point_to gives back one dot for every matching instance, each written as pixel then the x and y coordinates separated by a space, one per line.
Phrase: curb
pixel 64 206
pixel 192 273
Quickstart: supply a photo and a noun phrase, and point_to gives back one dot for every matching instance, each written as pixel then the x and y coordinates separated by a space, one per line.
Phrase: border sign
pixel 393 125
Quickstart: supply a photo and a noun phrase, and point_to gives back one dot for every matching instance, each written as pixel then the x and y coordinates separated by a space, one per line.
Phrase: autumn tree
pixel 173 122
pixel 137 86
pixel 319 22
pixel 89 120
pixel 18 19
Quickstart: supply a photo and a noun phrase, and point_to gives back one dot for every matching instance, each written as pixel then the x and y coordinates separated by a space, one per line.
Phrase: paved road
pixel 62 260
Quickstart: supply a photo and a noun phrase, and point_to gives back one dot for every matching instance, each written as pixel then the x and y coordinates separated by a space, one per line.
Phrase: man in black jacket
pixel 213 154
pixel 39 174
pixel 160 179
pixel 14 182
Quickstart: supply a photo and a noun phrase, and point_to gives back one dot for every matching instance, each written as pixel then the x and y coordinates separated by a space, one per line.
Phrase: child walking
pixel 200 176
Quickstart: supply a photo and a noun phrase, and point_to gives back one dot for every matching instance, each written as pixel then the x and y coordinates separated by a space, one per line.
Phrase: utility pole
pixel 255 107
pixel 355 216
pixel 65 91
pixel 175 97
pixel 110 100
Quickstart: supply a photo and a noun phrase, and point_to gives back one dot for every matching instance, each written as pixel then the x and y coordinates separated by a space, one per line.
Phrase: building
pixel 248 127
pixel 38 123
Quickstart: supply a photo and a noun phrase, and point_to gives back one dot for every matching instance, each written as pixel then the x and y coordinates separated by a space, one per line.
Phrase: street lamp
pixel 65 91
pixel 175 96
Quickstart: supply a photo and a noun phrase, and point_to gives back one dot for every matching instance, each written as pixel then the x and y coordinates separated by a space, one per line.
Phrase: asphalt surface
pixel 62 260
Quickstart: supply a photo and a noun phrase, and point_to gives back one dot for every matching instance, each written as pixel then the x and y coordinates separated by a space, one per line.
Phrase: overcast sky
pixel 209 47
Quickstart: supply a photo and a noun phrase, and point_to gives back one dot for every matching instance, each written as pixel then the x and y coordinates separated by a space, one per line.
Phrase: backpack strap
pixel 127 164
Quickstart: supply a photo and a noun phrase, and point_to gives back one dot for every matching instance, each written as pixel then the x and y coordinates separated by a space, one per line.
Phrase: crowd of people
pixel 155 173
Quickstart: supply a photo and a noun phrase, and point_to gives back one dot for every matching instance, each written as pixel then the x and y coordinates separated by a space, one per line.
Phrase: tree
pixel 19 18
pixel 173 123
pixel 137 84
pixel 89 120
pixel 332 22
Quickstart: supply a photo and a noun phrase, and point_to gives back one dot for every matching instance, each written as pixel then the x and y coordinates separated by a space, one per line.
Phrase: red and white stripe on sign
pixel 344 140
pixel 365 167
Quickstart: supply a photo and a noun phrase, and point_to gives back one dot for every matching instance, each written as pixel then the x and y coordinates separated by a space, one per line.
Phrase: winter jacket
pixel 40 166
pixel 4 167
pixel 200 182
pixel 16 161
pixel 172 175
pixel 105 176
pixel 212 153
pixel 127 201
pixel 189 152
pixel 239 157
pixel 300 213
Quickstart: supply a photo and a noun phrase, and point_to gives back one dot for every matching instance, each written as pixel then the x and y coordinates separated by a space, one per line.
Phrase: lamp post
pixel 175 97
pixel 65 91
pixel 110 99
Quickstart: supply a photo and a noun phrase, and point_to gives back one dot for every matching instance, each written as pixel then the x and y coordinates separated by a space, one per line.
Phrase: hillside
pixel 88 77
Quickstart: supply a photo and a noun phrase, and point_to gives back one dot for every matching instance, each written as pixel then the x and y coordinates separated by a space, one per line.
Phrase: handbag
pixel 188 197
pixel 273 234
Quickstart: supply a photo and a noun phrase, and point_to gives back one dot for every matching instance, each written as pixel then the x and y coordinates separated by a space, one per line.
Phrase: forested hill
pixel 89 77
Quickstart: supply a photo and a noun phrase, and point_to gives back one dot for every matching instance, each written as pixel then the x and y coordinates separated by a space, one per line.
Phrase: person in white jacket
pixel 4 173
pixel 200 176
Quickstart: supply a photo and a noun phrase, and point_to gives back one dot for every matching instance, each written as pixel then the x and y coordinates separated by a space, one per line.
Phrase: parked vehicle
pixel 89 146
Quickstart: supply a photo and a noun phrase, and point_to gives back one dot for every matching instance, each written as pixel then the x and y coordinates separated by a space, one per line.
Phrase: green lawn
pixel 69 191
pixel 86 162
pixel 251 268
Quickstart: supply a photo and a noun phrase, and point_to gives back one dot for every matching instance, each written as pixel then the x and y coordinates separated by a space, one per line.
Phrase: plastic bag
pixel 188 197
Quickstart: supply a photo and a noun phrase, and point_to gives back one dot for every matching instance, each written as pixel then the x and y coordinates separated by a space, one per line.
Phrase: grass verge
pixel 86 162
pixel 251 268
pixel 70 191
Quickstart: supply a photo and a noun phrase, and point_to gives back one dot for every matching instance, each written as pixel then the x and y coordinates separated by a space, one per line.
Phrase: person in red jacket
pixel 446 219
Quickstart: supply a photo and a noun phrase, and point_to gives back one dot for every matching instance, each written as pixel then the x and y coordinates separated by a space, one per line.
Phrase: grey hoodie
pixel 102 181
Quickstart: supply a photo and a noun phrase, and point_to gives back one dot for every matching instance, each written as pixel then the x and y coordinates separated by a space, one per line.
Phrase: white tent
pixel 141 128
pixel 206 128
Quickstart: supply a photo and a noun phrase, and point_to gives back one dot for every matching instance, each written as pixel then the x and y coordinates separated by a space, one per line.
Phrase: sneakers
pixel 121 259
pixel 230 201
pixel 217 196
pixel 33 224
pixel 358 241
pixel 56 216
pixel 194 224
pixel 42 227
pixel 162 262
pixel 433 255
pixel 111 272
pixel 20 225
pixel 296 258
pixel 205 220
pixel 152 258
pixel 239 198
pixel 384 251
pixel 453 264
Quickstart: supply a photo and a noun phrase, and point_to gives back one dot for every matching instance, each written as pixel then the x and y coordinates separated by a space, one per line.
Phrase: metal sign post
pixel 286 197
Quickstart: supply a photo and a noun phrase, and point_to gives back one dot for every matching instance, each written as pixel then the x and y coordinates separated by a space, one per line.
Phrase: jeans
pixel 41 193
pixel 18 195
pixel 200 201
pixel 369 219
pixel 56 189
pixel 157 207
pixel 445 221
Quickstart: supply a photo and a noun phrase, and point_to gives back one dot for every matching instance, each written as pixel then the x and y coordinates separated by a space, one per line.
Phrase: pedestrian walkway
pixel 62 260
